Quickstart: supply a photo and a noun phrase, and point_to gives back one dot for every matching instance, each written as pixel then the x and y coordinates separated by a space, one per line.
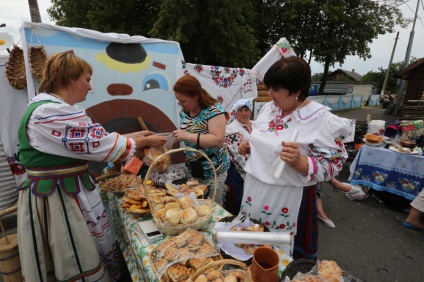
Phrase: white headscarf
pixel 243 103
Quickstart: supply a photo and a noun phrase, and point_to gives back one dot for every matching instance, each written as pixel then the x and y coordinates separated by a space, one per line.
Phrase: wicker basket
pixel 37 60
pixel 178 229
pixel 246 270
pixel 302 265
pixel 15 69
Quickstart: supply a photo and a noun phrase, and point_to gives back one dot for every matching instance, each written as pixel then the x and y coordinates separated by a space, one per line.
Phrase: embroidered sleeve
pixel 67 131
pixel 325 162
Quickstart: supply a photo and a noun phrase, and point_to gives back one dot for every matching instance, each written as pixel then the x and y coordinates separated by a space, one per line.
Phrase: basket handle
pixel 154 162
pixel 220 263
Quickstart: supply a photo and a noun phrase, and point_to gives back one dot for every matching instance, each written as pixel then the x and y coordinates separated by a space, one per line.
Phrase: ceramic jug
pixel 264 265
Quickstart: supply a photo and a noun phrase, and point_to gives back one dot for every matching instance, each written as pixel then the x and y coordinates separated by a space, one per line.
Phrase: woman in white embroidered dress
pixel 63 230
pixel 317 155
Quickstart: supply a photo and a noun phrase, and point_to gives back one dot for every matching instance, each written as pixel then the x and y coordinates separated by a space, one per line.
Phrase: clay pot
pixel 264 266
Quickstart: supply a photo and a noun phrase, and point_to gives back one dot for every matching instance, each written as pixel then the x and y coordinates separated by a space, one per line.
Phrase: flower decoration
pixel 6 40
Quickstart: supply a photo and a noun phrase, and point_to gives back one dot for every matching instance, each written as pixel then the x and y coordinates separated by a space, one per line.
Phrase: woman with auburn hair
pixel 63 231
pixel 203 123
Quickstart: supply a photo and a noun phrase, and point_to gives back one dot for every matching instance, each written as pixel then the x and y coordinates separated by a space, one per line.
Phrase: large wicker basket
pixel 15 69
pixel 220 263
pixel 37 60
pixel 178 229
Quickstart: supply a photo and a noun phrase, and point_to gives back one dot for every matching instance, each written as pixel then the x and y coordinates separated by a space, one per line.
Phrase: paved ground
pixel 369 241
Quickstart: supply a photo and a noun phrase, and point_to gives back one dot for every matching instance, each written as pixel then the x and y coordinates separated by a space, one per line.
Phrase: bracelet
pixel 198 140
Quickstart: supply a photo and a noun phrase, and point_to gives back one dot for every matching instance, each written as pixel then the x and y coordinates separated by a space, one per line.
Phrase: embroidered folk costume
pixel 62 213
pixel 320 138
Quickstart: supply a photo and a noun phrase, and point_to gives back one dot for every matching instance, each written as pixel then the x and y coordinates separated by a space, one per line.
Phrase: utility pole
pixel 390 65
pixel 406 63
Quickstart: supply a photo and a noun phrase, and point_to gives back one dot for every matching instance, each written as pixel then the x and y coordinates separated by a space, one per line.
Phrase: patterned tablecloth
pixel 386 170
pixel 136 255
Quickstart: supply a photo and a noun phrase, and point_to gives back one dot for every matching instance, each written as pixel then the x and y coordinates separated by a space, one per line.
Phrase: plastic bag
pixel 184 253
pixel 153 153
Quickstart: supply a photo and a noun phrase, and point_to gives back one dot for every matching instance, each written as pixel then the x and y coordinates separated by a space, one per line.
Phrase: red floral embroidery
pixel 284 210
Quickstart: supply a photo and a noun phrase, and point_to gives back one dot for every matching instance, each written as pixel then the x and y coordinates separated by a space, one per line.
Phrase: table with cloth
pixel 385 170
pixel 136 255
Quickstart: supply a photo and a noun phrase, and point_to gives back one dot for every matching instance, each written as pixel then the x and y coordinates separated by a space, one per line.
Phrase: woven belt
pixel 56 172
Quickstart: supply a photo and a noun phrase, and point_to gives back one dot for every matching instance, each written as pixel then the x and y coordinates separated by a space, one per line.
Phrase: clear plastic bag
pixel 153 153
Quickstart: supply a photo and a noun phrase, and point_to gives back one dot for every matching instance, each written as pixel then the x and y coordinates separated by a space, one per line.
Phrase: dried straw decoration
pixel 15 69
pixel 37 60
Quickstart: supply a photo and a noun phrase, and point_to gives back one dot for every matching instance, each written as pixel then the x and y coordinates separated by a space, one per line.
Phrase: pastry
pixel 160 214
pixel 127 199
pixel 135 194
pixel 197 263
pixel 203 210
pixel 192 182
pixel 329 270
pixel 161 264
pixel 168 199
pixel 178 272
pixel 249 249
pixel 172 205
pixel 173 216
pixel 185 202
pixel 188 216
pixel 255 228
pixel 201 278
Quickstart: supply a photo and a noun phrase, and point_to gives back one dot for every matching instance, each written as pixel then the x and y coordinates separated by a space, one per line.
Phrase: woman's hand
pixel 155 141
pixel 181 134
pixel 244 148
pixel 291 155
pixel 138 134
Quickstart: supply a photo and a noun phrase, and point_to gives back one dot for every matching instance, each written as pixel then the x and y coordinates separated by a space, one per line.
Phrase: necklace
pixel 54 95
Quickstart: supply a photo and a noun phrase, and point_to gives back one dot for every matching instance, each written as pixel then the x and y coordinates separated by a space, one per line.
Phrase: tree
pixel 333 29
pixel 72 13
pixel 218 32
pixel 378 76
pixel 125 16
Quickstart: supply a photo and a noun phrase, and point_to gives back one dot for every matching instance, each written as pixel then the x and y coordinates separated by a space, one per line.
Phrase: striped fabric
pixel 8 194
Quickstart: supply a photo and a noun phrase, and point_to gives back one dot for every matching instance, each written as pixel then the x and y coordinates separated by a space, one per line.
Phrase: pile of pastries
pixel 223 276
pixel 173 211
pixel 179 257
pixel 193 185
pixel 120 183
pixel 249 248
pixel 328 271
pixel 134 201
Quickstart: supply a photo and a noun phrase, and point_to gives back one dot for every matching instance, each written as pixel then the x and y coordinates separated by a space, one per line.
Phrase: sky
pixel 14 12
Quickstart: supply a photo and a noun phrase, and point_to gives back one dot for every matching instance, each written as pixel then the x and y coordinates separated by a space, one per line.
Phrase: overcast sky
pixel 14 12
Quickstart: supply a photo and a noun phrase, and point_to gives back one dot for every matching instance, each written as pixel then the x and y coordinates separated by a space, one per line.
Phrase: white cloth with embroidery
pixel 225 84
pixel 235 133
pixel 377 127
pixel 65 130
pixel 276 201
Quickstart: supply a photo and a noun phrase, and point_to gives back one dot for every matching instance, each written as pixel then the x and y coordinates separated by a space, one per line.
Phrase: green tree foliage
pixel 71 13
pixel 133 17
pixel 378 76
pixel 333 29
pixel 218 32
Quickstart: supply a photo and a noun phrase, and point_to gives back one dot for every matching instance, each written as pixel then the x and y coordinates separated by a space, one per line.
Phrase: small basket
pixel 223 262
pixel 37 60
pixel 177 229
pixel 15 69
pixel 302 265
